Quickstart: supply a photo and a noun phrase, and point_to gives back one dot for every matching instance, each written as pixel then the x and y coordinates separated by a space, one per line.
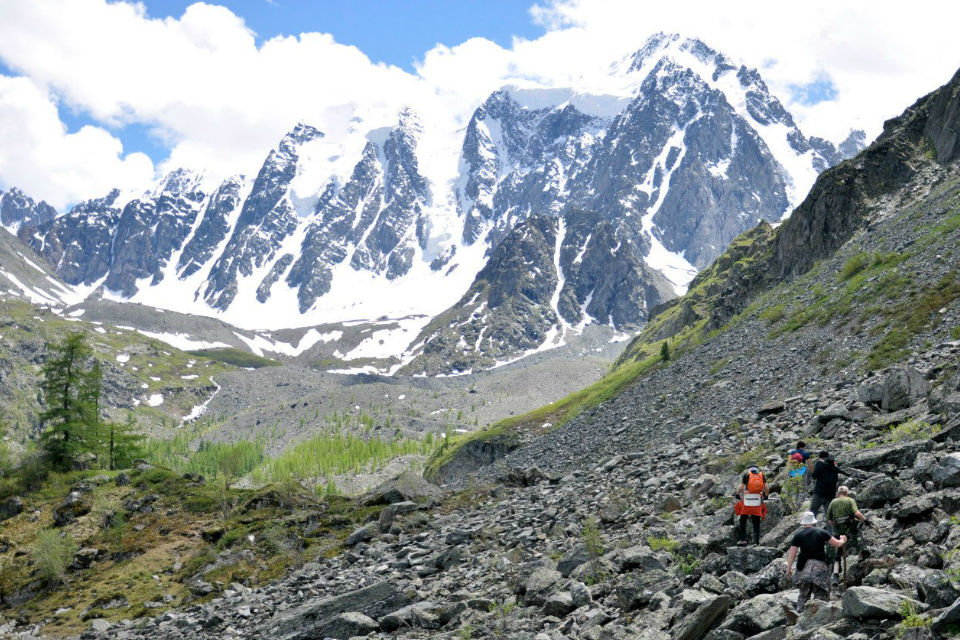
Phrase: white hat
pixel 808 518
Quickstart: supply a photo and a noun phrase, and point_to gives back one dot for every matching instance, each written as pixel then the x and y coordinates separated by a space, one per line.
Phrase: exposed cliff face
pixel 844 200
pixel 686 153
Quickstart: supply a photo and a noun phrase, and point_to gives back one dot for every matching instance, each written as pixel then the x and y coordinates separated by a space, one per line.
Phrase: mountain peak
pixel 301 134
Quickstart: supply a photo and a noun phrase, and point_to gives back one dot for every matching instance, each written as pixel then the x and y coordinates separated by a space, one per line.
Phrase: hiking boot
pixel 835 578
pixel 741 543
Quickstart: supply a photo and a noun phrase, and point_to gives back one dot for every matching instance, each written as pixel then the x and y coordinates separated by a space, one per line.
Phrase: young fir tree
pixel 665 352
pixel 121 445
pixel 70 424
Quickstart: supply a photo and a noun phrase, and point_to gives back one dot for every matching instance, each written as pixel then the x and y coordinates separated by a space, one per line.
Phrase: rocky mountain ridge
pixel 688 151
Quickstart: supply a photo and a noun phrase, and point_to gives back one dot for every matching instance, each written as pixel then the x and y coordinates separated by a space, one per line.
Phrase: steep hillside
pixel 878 236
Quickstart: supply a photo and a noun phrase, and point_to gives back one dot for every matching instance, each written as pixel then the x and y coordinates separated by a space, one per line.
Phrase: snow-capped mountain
pixel 551 210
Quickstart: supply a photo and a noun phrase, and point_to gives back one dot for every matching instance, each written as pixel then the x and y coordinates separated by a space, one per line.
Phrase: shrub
pixel 52 554
pixel 663 544
pixel 910 619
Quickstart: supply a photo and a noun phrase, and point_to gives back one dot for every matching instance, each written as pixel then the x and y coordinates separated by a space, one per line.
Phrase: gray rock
pixel 903 387
pixel 880 490
pixel 758 614
pixel 406 487
pixel 750 559
pixel 947 618
pixel 313 618
pixel 350 624
pixel 837 410
pixel 902 454
pixel 391 511
pixel 937 590
pixel 99 625
pixel 947 473
pixel 872 602
pixel 74 506
pixel 580 594
pixel 10 507
pixel 424 615
pixel 539 585
pixel 572 559
pixel 698 623
pixel 559 604
pixel 363 534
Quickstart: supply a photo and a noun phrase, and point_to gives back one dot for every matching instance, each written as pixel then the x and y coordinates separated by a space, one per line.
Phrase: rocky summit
pixel 610 202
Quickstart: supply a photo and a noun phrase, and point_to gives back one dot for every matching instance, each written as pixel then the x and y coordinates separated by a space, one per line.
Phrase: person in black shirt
pixel 813 573
pixel 826 475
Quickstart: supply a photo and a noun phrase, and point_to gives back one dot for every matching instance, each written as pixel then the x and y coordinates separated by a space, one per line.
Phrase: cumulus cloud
pixel 220 101
pixel 41 158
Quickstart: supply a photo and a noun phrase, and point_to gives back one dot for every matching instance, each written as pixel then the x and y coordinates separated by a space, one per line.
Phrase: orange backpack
pixel 755 483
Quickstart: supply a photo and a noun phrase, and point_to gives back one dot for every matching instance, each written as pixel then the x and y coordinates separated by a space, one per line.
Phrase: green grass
pixel 909 317
pixel 236 357
pixel 336 452
pixel 663 544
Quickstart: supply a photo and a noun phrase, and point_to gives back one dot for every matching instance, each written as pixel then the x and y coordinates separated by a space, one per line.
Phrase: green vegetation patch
pixel 236 357
pixel 336 452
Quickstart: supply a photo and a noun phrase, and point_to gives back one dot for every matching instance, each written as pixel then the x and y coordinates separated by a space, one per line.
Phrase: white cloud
pixel 41 158
pixel 221 101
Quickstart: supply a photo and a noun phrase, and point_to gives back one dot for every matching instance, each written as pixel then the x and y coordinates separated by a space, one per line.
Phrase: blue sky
pixel 395 32
pixel 219 102
pixel 392 31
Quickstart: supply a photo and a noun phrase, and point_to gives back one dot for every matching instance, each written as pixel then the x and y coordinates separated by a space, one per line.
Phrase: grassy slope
pixel 164 548
pixel 150 366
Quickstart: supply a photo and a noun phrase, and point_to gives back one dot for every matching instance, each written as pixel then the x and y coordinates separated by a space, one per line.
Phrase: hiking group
pixel 813 548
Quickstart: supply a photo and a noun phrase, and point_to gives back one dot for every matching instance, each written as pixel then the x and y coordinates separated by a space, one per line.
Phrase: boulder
pixel 559 604
pixel 871 602
pixel 871 392
pixel 10 507
pixel 947 618
pixel 391 511
pixel 85 557
pixel 572 559
pixel 903 387
pixel 639 557
pixel 750 559
pixel 937 590
pixel 313 618
pixel 947 473
pixel 364 533
pixel 837 410
pixel 768 579
pixel 697 624
pixel 424 615
pixel 409 486
pixel 74 506
pixel 902 454
pixel 923 467
pixel 880 490
pixel 539 586
pixel 758 614
pixel 350 624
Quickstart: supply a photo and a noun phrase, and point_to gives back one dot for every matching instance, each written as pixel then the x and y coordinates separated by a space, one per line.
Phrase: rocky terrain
pixel 640 544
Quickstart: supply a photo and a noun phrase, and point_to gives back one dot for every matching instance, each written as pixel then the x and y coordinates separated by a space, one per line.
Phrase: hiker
pixel 825 476
pixel 801 451
pixel 752 493
pixel 813 574
pixel 844 518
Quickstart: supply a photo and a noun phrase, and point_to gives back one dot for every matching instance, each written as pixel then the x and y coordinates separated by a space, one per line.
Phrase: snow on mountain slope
pixel 650 169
